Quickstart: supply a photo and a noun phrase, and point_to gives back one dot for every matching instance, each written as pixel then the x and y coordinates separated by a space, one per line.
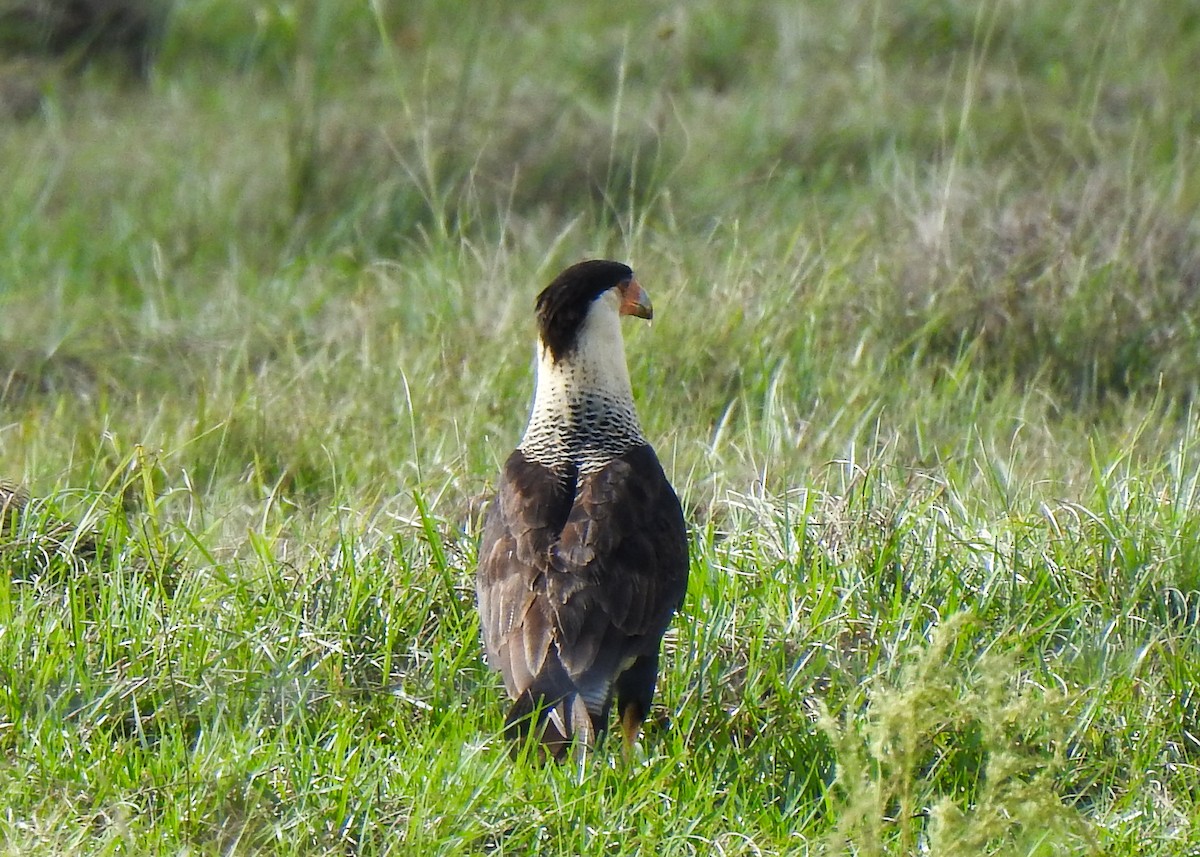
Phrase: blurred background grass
pixel 901 196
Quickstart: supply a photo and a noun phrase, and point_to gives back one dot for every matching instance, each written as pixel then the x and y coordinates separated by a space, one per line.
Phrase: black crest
pixel 563 305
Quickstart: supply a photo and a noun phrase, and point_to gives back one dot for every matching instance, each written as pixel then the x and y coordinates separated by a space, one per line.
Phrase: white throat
pixel 583 411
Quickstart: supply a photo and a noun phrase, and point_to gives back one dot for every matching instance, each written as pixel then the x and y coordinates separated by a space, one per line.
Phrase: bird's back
pixel 579 576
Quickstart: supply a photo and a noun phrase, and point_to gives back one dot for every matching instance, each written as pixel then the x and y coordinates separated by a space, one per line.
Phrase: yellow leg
pixel 631 724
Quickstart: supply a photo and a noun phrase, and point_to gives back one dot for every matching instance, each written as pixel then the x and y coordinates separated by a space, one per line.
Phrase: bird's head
pixel 587 295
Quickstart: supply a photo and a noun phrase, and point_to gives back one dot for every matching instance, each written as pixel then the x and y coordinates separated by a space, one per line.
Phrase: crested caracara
pixel 584 555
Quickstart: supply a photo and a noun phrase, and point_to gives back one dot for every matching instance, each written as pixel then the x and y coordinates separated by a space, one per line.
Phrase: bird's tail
pixel 558 724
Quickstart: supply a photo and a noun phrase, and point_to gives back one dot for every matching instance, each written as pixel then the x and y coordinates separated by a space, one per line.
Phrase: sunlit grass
pixel 922 369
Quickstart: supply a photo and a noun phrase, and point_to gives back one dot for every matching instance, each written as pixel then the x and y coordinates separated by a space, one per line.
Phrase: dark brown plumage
pixel 584 556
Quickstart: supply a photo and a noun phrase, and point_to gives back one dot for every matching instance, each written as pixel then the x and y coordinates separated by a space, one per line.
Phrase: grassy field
pixel 927 341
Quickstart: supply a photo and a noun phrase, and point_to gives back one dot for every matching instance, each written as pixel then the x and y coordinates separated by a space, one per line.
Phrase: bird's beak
pixel 635 301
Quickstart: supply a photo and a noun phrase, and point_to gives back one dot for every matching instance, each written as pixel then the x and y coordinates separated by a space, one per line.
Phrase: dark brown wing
pixel 531 506
pixel 619 570
pixel 575 581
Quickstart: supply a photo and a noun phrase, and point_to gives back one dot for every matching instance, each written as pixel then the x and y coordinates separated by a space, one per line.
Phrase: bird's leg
pixel 635 692
pixel 632 716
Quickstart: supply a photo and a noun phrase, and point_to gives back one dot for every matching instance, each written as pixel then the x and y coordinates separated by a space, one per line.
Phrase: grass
pixel 923 372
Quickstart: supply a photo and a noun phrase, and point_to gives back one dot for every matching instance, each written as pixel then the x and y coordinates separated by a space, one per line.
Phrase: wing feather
pixel 530 507
pixel 619 570
pixel 578 577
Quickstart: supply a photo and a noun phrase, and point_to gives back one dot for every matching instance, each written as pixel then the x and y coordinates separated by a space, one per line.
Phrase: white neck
pixel 583 404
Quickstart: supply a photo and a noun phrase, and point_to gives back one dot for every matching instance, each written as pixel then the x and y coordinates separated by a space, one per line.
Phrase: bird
pixel 583 557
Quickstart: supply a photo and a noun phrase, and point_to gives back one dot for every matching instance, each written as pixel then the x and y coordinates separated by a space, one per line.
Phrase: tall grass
pixel 922 369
